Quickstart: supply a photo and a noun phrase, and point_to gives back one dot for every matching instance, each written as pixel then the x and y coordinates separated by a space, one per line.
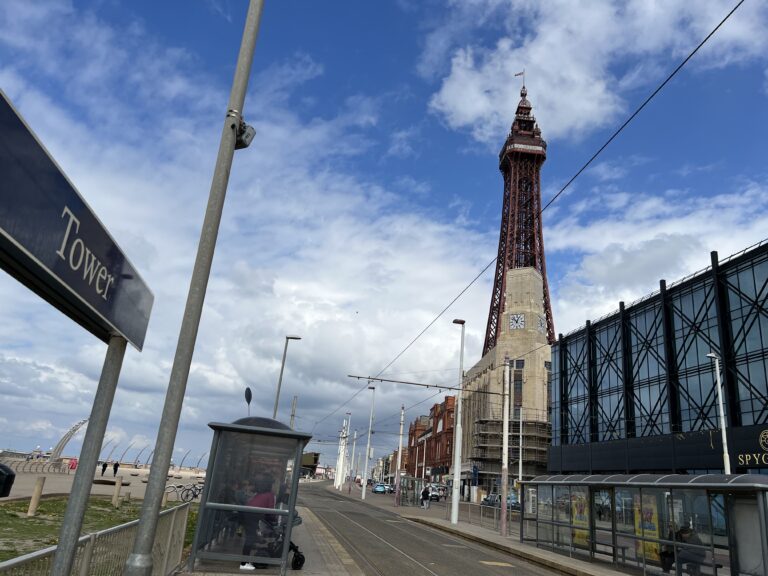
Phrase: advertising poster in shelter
pixel 580 517
pixel 647 525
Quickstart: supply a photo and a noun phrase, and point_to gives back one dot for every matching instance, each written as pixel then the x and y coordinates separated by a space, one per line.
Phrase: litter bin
pixel 7 476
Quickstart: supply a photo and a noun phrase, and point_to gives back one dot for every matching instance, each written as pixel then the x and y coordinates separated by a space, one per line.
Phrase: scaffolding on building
pixel 487 450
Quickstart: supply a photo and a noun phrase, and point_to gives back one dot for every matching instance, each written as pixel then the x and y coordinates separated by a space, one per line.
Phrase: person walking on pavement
pixel 425 498
pixel 115 466
pixel 103 467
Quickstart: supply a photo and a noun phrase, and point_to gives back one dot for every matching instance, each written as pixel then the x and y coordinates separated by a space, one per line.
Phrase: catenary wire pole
pixel 89 457
pixel 139 562
pixel 520 461
pixel 455 492
pixel 399 457
pixel 721 413
pixel 368 444
pixel 352 473
pixel 505 449
pixel 293 411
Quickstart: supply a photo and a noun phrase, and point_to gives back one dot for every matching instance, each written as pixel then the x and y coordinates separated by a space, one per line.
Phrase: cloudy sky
pixel 371 196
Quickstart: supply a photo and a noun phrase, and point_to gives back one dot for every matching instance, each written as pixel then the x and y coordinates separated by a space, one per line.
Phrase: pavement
pixel 325 555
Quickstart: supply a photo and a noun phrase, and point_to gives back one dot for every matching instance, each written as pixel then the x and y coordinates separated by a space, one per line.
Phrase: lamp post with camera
pixel 235 135
pixel 280 379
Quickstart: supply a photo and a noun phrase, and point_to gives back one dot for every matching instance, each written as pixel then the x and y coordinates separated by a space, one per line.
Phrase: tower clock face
pixel 516 321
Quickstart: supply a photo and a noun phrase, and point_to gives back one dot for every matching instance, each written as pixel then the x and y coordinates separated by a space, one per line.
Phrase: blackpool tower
pixel 520 329
pixel 521 243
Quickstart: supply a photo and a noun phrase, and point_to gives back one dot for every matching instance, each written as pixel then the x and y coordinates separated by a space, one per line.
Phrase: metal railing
pixel 105 552
pixel 36 466
pixel 485 516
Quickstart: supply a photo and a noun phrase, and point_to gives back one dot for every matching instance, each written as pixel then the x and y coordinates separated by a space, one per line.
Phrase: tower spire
pixel 521 241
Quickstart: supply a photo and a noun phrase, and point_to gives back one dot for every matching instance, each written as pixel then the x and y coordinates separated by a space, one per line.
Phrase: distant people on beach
pixel 103 467
pixel 115 466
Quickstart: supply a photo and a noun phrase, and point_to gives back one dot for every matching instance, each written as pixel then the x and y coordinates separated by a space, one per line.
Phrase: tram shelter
pixel 652 524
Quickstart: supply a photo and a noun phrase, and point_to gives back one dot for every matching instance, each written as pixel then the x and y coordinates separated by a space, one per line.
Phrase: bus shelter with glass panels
pixel 653 524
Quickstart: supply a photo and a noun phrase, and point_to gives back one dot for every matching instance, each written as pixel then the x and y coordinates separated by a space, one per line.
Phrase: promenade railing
pixel 105 552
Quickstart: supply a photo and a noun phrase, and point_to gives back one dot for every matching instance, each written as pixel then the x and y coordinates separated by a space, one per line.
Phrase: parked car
pixel 495 500
pixel 434 496
pixel 380 489
pixel 390 488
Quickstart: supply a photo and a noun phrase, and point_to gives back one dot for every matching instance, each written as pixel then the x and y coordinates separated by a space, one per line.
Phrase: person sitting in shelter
pixel 262 498
pixel 691 558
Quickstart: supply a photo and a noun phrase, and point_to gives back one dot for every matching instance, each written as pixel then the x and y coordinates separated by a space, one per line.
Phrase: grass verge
pixel 21 535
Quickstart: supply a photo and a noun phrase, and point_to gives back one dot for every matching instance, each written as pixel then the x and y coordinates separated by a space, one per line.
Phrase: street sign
pixel 53 243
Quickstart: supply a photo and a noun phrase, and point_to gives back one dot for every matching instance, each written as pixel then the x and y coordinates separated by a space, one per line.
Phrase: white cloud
pixel 579 58
pixel 623 254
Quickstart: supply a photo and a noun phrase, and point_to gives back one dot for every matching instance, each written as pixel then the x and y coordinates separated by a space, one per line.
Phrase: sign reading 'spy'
pixel 51 241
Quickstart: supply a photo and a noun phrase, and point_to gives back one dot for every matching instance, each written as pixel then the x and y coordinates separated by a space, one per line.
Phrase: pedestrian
pixel 115 466
pixel 425 498
pixel 103 467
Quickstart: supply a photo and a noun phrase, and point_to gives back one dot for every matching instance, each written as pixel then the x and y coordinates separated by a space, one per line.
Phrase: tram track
pixel 385 544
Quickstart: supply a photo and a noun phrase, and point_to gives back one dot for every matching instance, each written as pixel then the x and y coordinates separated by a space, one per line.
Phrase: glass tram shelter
pixel 653 524
pixel 247 507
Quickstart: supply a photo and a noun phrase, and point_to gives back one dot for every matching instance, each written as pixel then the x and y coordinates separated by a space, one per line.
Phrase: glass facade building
pixel 635 390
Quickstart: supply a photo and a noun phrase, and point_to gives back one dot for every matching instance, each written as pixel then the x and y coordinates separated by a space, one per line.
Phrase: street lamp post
pixel 457 435
pixel 280 380
pixel 726 456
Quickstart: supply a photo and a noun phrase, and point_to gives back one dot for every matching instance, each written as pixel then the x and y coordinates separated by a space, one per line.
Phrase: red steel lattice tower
pixel 521 243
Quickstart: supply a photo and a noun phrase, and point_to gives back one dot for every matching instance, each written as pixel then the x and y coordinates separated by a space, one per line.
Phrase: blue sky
pixel 371 196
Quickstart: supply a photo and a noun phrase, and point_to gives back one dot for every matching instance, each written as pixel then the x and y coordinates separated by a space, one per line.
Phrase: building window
pixel 519 364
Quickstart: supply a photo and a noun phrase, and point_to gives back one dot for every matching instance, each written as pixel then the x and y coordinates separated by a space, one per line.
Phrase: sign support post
pixel 89 456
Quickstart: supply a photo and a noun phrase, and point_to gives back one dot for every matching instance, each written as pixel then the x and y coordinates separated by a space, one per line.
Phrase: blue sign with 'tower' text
pixel 52 242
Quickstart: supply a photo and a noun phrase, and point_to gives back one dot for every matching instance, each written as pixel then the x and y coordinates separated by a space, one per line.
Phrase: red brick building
pixel 430 442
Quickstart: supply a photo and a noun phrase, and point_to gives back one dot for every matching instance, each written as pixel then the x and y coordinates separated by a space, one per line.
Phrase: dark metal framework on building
pixel 521 242
pixel 634 391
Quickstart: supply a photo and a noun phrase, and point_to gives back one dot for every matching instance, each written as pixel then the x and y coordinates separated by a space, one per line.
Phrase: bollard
pixel 127 496
pixel 164 503
pixel 116 494
pixel 33 503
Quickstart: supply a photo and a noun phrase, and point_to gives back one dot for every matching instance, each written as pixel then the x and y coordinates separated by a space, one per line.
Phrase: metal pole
pixel 125 451
pixel 721 414
pixel 424 461
pixel 368 444
pixel 139 562
pixel 89 457
pixel 104 446
pixel 136 460
pixel 338 459
pixel 505 450
pixel 343 452
pixel 282 367
pixel 293 410
pixel 520 461
pixel 399 457
pixel 457 435
pixel 352 475
pixel 347 464
pixel 280 380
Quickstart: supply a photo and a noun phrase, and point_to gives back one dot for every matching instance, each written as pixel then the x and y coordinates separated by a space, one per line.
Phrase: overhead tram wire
pixel 559 193
pixel 643 105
